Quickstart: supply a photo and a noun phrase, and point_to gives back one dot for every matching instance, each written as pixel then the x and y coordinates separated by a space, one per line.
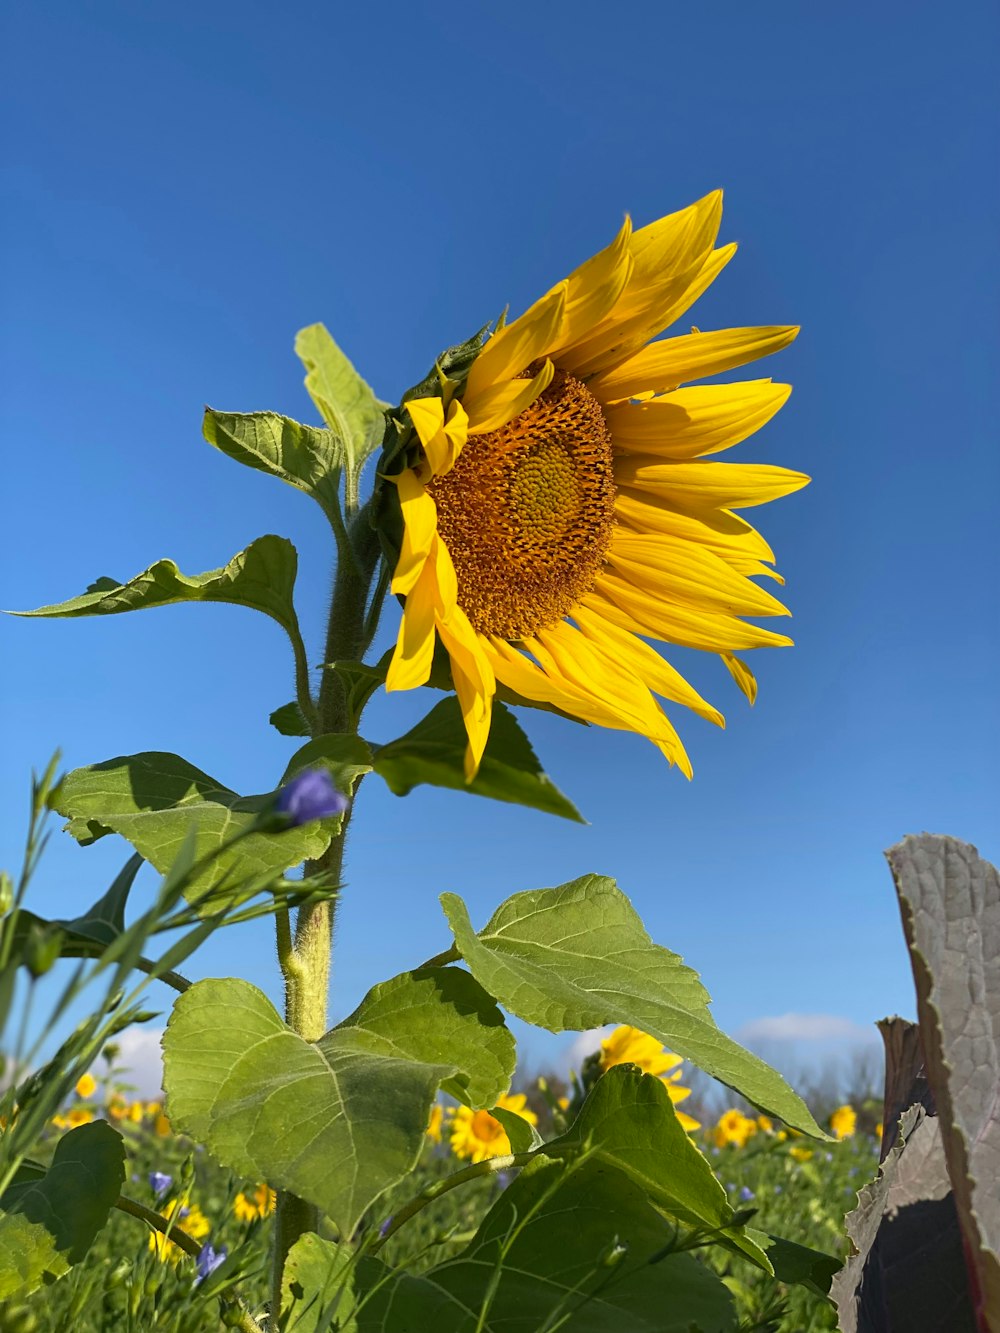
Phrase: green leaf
pixel 562 1240
pixel 434 752
pixel 628 1122
pixel 359 682
pixel 523 1136
pixel 797 1265
pixel 306 457
pixel 345 401
pixel 288 720
pixel 49 1222
pixel 949 898
pixel 577 957
pixel 262 577
pixel 88 935
pixel 341 1120
pixel 316 1286
pixel 153 799
pixel 346 757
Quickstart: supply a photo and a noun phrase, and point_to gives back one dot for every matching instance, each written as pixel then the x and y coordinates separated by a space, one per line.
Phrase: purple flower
pixel 503 1179
pixel 160 1182
pixel 310 795
pixel 746 1193
pixel 208 1260
pixel 384 1228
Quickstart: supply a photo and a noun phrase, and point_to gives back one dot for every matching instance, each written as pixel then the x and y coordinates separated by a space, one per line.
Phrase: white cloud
pixel 586 1043
pixel 805 1027
pixel 141 1060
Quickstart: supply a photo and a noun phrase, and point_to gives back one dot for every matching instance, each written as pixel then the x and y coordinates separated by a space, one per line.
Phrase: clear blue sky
pixel 186 185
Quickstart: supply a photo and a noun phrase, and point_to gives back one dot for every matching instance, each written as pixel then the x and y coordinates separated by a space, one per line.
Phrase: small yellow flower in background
pixel 630 1046
pixel 801 1154
pixel 563 1103
pixel 878 1131
pixel 844 1121
pixel 476 1135
pixel 733 1127
pixel 161 1126
pixel 765 1124
pixel 561 512
pixel 77 1115
pixel 252 1205
pixel 184 1217
pixel 436 1123
pixel 86 1086
pixel 781 1135
pixel 117 1107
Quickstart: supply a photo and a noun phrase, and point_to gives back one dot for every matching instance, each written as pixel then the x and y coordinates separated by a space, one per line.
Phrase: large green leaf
pixel 88 935
pixel 48 1220
pixel 345 757
pixel 574 1240
pixel 577 957
pixel 340 1120
pixel 317 1286
pixel 307 457
pixel 434 752
pixel 345 401
pixel 154 799
pixel 950 903
pixel 628 1122
pixel 262 577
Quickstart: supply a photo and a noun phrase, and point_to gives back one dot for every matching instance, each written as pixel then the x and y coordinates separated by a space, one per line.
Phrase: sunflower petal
pixel 743 676
pixel 635 655
pixel 720 529
pixel 510 352
pixel 695 421
pixel 679 570
pixel 709 485
pixel 688 626
pixel 419 529
pixel 475 684
pixel 411 661
pixel 595 287
pixel 496 406
pixel 692 356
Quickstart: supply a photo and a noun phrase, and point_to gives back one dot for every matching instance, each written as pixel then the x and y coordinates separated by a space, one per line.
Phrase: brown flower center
pixel 528 510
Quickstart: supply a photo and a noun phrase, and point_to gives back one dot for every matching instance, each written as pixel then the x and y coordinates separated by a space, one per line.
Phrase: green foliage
pixel 306 457
pixel 154 800
pixel 577 957
pixel 434 751
pixel 49 1218
pixel 345 402
pixel 340 1120
pixel 87 935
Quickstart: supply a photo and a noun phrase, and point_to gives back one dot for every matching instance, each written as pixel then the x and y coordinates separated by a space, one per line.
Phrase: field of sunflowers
pixel 137 1278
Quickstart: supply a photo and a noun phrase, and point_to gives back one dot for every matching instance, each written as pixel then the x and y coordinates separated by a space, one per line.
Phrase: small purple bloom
pixel 310 795
pixel 828 1156
pixel 160 1182
pixel 208 1260
pixel 746 1193
pixel 503 1179
pixel 384 1228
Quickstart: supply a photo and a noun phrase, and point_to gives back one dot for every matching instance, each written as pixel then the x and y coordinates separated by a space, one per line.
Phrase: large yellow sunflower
pixel 558 512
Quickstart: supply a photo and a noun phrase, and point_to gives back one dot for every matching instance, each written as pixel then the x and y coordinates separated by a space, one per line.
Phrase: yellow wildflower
pixel 183 1217
pixel 844 1121
pixel 629 1046
pixel 477 1135
pixel 252 1205
pixel 801 1154
pixel 86 1085
pixel 733 1127
pixel 436 1123
pixel 765 1124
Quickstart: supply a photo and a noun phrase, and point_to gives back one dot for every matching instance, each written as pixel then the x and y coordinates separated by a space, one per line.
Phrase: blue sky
pixel 188 185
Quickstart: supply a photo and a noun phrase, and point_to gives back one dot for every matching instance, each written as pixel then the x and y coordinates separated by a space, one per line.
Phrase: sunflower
pixel 477 1135
pixel 733 1127
pixel 844 1121
pixel 629 1046
pixel 253 1204
pixel 556 513
pixel 186 1217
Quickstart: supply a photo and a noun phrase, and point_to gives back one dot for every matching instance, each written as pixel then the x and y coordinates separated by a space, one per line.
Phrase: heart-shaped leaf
pixel 340 1120
pixel 577 957
pixel 306 457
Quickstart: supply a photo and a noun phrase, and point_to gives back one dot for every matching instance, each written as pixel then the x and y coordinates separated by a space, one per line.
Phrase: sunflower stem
pixel 305 954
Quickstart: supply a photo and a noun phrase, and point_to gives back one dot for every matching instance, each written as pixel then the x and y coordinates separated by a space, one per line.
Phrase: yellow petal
pixel 510 352
pixel 419 527
pixel 709 485
pixel 494 407
pixel 522 675
pixel 442 438
pixel 743 676
pixel 594 288
pixel 687 626
pixel 719 529
pixel 683 571
pixel 427 415
pixel 634 655
pixel 692 356
pixel 692 422
pixel 566 655
pixel 475 684
pixel 411 661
